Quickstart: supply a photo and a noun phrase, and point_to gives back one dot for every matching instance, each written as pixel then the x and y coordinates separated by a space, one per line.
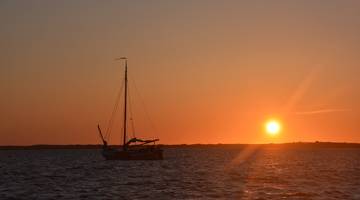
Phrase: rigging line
pixel 131 114
pixel 111 121
pixel 144 106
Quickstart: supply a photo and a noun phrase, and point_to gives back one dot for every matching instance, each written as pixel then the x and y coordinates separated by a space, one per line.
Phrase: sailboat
pixel 134 148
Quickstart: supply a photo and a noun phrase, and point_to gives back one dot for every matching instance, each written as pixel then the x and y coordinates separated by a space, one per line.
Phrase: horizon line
pixel 297 142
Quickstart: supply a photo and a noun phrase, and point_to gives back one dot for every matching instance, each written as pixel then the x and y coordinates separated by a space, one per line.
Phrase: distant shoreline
pixel 270 145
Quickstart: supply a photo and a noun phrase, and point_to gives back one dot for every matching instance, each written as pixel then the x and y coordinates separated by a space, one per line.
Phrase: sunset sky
pixel 207 71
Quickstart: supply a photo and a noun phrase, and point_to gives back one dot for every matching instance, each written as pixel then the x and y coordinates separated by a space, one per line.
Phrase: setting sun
pixel 272 127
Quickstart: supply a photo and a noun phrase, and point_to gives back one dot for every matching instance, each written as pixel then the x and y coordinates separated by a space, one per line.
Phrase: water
pixel 186 173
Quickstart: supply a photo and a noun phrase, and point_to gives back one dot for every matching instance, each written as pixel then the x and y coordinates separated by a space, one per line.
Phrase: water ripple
pixel 186 173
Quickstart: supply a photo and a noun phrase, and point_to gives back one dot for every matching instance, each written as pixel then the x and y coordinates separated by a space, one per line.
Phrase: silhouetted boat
pixel 135 148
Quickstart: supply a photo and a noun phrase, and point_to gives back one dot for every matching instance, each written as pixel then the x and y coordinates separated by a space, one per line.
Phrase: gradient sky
pixel 208 71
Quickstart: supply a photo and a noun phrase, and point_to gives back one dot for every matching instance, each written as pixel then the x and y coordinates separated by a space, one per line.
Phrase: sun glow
pixel 272 127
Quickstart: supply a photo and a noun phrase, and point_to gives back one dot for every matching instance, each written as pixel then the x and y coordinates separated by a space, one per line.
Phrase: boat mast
pixel 126 80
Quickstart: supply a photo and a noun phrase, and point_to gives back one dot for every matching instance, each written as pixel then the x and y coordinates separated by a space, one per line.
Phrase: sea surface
pixel 250 172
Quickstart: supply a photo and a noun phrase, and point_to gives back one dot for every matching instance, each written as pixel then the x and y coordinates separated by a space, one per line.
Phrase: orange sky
pixel 208 71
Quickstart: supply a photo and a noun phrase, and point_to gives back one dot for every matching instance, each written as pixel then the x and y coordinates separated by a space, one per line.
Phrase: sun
pixel 272 127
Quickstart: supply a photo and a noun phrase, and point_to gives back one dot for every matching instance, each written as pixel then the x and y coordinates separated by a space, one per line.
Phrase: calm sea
pixel 186 173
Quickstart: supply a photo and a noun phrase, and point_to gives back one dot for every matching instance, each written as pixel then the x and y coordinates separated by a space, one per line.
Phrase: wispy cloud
pixel 322 111
pixel 302 88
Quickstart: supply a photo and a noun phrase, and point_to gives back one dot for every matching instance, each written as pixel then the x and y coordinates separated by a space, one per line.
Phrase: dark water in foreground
pixel 186 173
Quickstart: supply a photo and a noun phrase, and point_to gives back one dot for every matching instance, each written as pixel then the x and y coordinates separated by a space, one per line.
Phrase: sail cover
pixel 133 140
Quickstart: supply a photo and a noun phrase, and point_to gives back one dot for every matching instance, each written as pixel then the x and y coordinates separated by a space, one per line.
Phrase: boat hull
pixel 138 154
